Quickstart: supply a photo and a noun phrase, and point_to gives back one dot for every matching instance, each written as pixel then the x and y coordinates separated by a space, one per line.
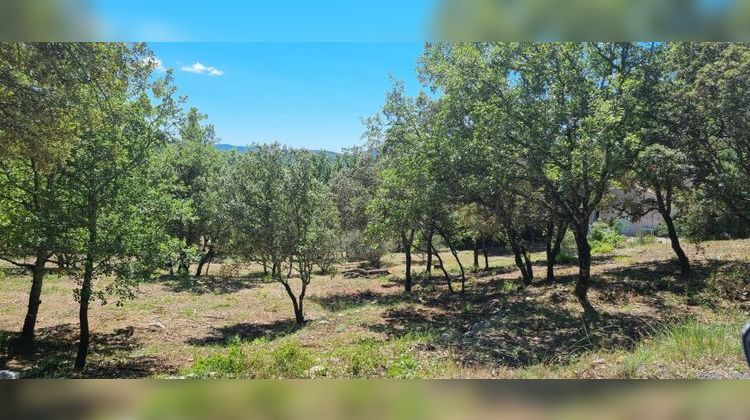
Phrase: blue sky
pixel 263 20
pixel 308 95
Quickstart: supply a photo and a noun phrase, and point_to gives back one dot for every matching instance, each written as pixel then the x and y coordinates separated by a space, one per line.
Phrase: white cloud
pixel 203 69
pixel 155 62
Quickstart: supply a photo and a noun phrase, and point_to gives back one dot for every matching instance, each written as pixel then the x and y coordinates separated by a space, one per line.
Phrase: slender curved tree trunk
pixel 664 205
pixel 476 255
pixel 407 243
pixel 208 265
pixel 553 250
pixel 460 265
pixel 527 262
pixel 299 316
pixel 442 267
pixel 484 251
pixel 584 269
pixel 429 255
pixel 26 342
pixel 676 247
pixel 86 286
pixel 206 258
pixel 520 257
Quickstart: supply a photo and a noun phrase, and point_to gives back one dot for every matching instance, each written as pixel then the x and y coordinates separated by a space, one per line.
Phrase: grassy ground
pixel 653 323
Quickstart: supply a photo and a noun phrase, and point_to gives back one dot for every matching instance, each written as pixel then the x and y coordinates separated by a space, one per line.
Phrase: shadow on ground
pixel 499 324
pixel 517 333
pixel 212 284
pixel 344 301
pixel 655 276
pixel 109 355
pixel 245 331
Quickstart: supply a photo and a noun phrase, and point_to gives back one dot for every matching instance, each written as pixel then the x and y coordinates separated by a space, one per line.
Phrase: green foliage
pixel 288 360
pixel 604 238
pixel 254 360
pixel 730 282
pixel 192 167
pixel 675 349
pixel 232 364
pixel 284 216
pixel 353 188
pixel 644 238
pixel 705 218
pixel 359 247
pixel 568 250
pixel 365 359
pixel 711 85
pixel 661 230
pixel 404 367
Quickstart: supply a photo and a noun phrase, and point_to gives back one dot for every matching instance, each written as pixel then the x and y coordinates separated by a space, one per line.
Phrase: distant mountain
pixel 227 147
pixel 241 149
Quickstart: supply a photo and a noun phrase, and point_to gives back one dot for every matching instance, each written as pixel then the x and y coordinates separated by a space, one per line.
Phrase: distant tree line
pixel 105 175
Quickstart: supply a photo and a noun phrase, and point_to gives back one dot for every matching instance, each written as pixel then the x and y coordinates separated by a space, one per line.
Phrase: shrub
pixel 360 248
pixel 730 282
pixel 676 350
pixel 404 367
pixel 568 250
pixel 661 230
pixel 644 238
pixel 364 359
pixel 604 238
pixel 288 360
pixel 601 248
pixel 232 364
pixel 566 258
pixel 231 269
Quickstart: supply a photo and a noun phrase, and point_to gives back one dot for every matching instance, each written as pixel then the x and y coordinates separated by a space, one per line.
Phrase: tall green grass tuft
pixel 604 238
pixel 255 360
pixel 230 364
pixel 365 359
pixel 289 360
pixel 685 350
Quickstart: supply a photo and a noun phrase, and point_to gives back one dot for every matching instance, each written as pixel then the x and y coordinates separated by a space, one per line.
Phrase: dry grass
pixel 652 324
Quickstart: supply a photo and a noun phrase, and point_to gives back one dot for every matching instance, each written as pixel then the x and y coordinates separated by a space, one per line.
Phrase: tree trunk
pixel 458 260
pixel 476 255
pixel 486 258
pixel 442 267
pixel 554 241
pixel 584 269
pixel 407 242
pixel 550 262
pixel 676 247
pixel 429 255
pixel 86 285
pixel 61 264
pixel 527 262
pixel 207 257
pixel 26 342
pixel 548 243
pixel 208 265
pixel 664 205
pixel 83 317
pixel 299 317
pixel 461 267
pixel 183 267
pixel 518 255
